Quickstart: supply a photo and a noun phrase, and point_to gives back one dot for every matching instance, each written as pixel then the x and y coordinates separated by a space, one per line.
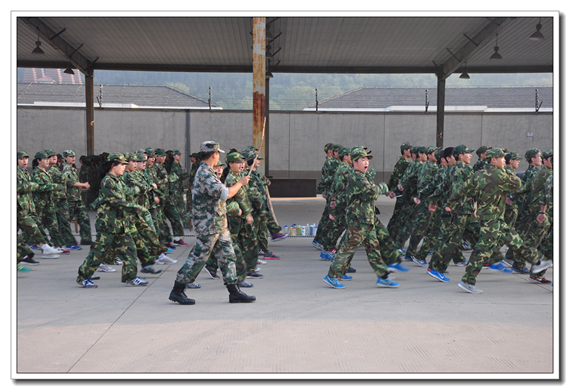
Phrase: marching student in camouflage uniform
pixel 168 203
pixel 361 218
pixel 490 186
pixel 546 210
pixel 512 160
pixel 409 187
pixel 26 211
pixel 480 164
pixel 177 179
pixel 423 215
pixel 327 174
pixel 209 197
pixel 44 199
pixel 450 237
pixel 195 159
pixel 532 231
pixel 157 199
pixel 112 226
pixel 60 203
pixel 77 209
pixel 399 169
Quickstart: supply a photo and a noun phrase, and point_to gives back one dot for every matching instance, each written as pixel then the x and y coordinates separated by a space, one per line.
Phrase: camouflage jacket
pixel 72 175
pixel 25 188
pixel 433 191
pixel 490 186
pixel 152 174
pixel 361 194
pixel 177 177
pixel 397 174
pixel 113 206
pixel 257 192
pixel 426 174
pixel 163 181
pixel 537 184
pixel 514 204
pixel 480 164
pixel 327 174
pixel 522 194
pixel 458 176
pixel 338 188
pixel 43 195
pixel 193 170
pixel 241 197
pixel 209 196
pixel 410 179
pixel 548 196
pixel 58 177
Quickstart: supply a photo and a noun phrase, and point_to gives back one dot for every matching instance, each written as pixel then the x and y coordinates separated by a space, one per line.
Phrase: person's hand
pixel 324 194
pixel 400 187
pixel 417 201
pixel 392 195
pixel 332 218
pixel 248 219
pixel 541 218
pixel 244 180
pixel 333 204
pixel 448 209
pixel 155 186
pixel 156 200
pixel 509 201
pixel 86 185
pixel 432 207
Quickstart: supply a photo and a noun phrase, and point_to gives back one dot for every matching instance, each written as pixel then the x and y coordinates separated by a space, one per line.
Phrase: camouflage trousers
pixel 393 224
pixel 388 248
pixel 241 269
pixel 121 243
pixel 145 228
pixel 263 224
pixel 159 223
pixel 249 243
pixel 355 236
pixel 22 249
pixel 534 235
pixel 30 229
pixel 171 213
pixel 494 234
pixel 48 219
pixel 434 235
pixel 323 221
pixel 332 230
pixel 511 215
pixel 421 226
pixel 63 221
pixel 406 223
pixel 221 247
pixel 449 241
pixel 78 212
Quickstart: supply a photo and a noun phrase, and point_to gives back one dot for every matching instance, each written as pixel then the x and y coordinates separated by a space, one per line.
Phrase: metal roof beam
pixel 473 45
pixel 63 47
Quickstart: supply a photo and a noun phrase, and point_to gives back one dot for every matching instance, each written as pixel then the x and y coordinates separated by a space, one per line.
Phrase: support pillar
pixel 259 85
pixel 440 109
pixel 90 114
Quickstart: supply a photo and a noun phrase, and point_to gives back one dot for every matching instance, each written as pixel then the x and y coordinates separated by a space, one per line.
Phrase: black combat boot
pixel 236 295
pixel 177 294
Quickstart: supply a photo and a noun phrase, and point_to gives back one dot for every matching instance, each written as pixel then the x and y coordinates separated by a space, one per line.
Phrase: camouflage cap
pixel 328 146
pixel 129 156
pixel 141 151
pixel 219 164
pixel 482 149
pixel 234 157
pixel 431 149
pixel 438 154
pixel 338 147
pixel 176 152
pixel 250 155
pixel 344 152
pixel 139 157
pixel 41 155
pixel 422 149
pixel 531 153
pixel 358 152
pixel 494 153
pixel 160 152
pixel 462 149
pixel 116 157
pixel 513 156
pixel 210 146
pixel 150 152
pixel 50 152
pixel 405 146
pixel 195 155
pixel 68 153
pixel 547 153
pixel 22 154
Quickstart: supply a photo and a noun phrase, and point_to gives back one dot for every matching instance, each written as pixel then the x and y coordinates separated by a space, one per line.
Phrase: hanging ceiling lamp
pixel 537 36
pixel 496 55
pixel 38 50
pixel 465 75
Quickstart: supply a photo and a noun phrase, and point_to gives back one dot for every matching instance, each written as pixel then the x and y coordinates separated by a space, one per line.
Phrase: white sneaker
pixel 163 259
pixel 541 266
pixel 105 268
pixel 259 261
pixel 51 256
pixel 118 261
pixel 49 250
pixel 257 269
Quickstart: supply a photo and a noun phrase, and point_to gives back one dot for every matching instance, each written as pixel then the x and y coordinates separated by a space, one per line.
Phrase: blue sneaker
pixel 462 263
pixel 419 262
pixel 76 247
pixel 333 282
pixel 386 283
pixel 87 283
pixel 500 267
pixel 327 255
pixel 397 267
pixel 138 281
pixel 169 250
pixel 402 251
pixel 317 245
pixel 34 247
pixel 346 277
pixel 438 275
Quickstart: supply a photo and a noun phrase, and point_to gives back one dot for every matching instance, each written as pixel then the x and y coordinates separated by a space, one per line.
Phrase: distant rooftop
pixel 460 99
pixel 73 95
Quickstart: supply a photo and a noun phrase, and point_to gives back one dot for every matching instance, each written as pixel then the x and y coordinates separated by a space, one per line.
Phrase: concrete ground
pixel 299 328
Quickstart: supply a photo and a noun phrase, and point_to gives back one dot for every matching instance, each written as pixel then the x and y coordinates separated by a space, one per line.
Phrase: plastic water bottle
pixel 303 231
pixel 286 229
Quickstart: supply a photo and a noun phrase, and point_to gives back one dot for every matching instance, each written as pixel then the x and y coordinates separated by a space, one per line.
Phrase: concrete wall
pixel 296 139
